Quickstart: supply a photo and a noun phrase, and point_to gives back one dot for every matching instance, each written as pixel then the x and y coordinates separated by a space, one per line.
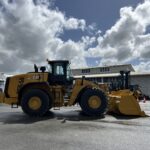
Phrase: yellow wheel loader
pixel 52 87
pixel 39 91
pixel 122 100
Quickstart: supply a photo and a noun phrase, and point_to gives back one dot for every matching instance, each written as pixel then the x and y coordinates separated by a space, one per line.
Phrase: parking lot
pixel 69 129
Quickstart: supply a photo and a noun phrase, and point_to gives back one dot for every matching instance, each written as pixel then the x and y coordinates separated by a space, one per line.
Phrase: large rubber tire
pixel 44 99
pixel 84 102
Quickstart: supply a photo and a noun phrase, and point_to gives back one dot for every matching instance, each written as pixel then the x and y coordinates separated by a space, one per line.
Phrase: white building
pixel 2 79
pixel 110 74
pixel 102 70
pixel 143 80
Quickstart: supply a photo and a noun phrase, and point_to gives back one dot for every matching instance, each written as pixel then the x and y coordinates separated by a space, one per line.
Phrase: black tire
pixel 44 102
pixel 85 105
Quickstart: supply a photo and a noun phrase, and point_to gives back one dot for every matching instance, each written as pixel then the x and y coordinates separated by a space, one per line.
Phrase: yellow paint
pixel 34 103
pixel 57 93
pixel 2 97
pixel 19 81
pixel 78 86
pixel 124 102
pixel 10 101
pixel 94 102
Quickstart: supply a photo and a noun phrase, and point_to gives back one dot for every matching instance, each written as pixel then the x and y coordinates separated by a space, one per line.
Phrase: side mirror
pixel 43 69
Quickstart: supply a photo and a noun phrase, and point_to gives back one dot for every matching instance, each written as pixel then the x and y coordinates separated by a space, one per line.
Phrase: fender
pixel 78 89
pixel 43 86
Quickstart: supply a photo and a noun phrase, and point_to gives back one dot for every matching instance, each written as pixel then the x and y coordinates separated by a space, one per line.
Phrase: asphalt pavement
pixel 69 129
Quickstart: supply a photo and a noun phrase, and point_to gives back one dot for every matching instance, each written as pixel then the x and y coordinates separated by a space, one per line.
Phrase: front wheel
pixel 93 102
pixel 35 102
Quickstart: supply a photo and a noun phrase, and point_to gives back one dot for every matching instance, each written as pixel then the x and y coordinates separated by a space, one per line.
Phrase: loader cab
pixel 60 73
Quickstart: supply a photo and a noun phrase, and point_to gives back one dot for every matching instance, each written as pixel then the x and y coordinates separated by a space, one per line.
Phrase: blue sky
pixel 104 13
pixel 85 32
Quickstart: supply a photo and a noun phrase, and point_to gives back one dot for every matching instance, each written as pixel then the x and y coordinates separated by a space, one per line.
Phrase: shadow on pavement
pixel 63 116
pixel 21 118
pixel 123 117
pixel 76 116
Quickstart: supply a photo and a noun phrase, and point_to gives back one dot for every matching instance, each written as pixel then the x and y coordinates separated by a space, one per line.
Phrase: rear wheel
pixel 35 102
pixel 93 102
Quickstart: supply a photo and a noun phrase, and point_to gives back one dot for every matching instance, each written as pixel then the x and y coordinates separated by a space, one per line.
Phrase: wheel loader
pixel 52 87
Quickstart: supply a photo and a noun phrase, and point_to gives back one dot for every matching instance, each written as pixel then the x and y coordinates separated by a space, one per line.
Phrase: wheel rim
pixel 94 102
pixel 34 103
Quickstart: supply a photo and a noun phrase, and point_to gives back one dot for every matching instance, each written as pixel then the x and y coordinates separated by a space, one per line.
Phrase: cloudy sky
pixel 86 32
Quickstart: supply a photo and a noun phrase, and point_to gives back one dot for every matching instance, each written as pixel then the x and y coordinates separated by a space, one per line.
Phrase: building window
pixel 85 70
pixel 106 80
pixel 99 79
pixel 104 69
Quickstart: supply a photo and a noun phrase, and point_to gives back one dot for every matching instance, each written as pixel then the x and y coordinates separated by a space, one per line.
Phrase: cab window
pixel 58 70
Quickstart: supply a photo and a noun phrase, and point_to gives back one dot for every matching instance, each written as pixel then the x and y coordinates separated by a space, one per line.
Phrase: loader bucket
pixel 124 102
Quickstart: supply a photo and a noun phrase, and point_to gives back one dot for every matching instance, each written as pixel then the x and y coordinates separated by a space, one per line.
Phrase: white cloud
pixel 142 46
pixel 29 34
pixel 127 38
pixel 143 67
pixel 73 23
